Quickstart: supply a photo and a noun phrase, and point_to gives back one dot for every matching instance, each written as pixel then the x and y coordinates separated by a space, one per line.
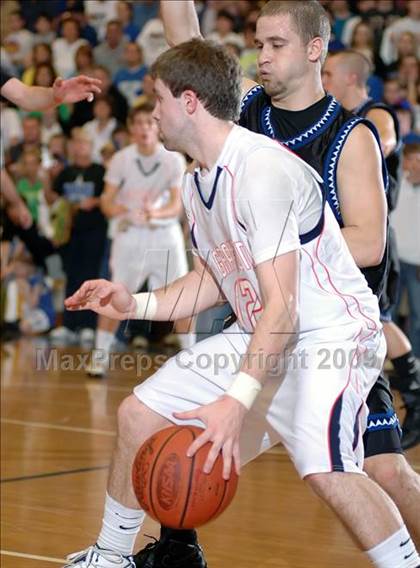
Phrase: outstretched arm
pixel 187 296
pixel 180 21
pixel 41 98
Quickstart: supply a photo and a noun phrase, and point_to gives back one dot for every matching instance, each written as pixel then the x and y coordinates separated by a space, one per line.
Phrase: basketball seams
pixel 151 485
pixel 225 487
pixel 184 512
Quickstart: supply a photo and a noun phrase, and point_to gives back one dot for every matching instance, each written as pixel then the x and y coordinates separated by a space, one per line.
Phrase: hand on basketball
pixel 223 419
pixel 103 297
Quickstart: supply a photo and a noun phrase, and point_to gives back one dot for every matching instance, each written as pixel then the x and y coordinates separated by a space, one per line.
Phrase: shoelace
pixel 87 555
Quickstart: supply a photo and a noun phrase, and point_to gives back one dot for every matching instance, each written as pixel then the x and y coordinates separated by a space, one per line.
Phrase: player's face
pixel 144 129
pixel 169 116
pixel 283 59
pixel 334 78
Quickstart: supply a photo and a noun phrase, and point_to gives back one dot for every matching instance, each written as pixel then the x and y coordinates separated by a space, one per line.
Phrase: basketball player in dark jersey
pixel 292 107
pixel 345 76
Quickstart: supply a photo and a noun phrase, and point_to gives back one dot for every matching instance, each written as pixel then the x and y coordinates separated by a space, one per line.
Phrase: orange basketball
pixel 172 488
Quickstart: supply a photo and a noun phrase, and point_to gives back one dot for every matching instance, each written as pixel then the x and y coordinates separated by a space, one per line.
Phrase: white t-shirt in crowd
pixel 406 222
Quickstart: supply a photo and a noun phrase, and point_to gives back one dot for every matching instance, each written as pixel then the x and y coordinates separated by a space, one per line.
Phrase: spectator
pixel 411 23
pixel 50 125
pixel 44 30
pixel 143 11
pixel 83 111
pixel 31 126
pixel 249 54
pixel 32 9
pixel 121 137
pixel 341 14
pixel 406 119
pixel 65 47
pixel 45 77
pixel 18 42
pixel 406 45
pixel 223 32
pixel 30 182
pixel 393 93
pixel 129 79
pixel 405 220
pixel 29 306
pixel 409 77
pixel 110 52
pixel 152 40
pixel 363 42
pixel 100 129
pixel 10 126
pixel 84 60
pixel 81 184
pixel 99 13
pixel 57 156
pixel 41 53
pixel 125 16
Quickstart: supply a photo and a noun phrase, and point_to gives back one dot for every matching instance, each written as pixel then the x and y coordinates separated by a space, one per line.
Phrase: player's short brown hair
pixel 207 69
pixel 308 16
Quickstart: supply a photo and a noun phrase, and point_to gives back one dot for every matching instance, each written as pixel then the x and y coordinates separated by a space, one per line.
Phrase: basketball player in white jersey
pixel 142 199
pixel 266 242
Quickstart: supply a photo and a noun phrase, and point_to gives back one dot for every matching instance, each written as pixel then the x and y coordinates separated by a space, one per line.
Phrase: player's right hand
pixel 103 297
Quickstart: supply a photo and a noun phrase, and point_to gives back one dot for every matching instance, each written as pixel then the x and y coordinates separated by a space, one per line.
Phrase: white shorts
pixel 155 254
pixel 316 407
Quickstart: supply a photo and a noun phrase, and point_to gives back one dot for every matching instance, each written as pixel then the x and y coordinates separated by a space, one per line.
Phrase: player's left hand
pixel 223 420
pixel 75 89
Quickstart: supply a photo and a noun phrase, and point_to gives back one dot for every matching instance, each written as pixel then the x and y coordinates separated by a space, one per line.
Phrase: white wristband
pixel 245 389
pixel 146 305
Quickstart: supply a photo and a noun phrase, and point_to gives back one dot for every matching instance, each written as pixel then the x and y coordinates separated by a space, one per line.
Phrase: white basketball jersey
pixel 260 201
pixel 142 179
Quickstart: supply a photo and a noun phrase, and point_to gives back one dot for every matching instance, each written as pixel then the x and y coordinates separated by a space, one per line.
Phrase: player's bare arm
pixel 181 24
pixel 362 197
pixel 386 129
pixel 107 201
pixel 274 332
pixel 172 209
pixel 187 296
pixel 41 98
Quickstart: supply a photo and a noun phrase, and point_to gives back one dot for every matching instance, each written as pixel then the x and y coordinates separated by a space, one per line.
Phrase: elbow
pixel 374 254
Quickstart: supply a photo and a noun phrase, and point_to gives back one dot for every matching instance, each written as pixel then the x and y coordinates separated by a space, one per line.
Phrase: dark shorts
pixel 383 434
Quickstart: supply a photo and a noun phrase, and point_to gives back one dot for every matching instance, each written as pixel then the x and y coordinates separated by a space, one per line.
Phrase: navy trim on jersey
pixel 317 230
pixel 193 239
pixel 208 204
pixel 331 162
pixel 250 96
pixel 330 114
pixel 334 436
pixel 383 421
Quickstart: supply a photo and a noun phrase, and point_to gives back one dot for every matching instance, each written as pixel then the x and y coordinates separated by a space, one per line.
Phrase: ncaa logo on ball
pixel 168 485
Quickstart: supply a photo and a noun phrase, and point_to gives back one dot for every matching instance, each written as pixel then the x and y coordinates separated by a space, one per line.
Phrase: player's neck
pixel 354 98
pixel 209 143
pixel 308 93
pixel 146 149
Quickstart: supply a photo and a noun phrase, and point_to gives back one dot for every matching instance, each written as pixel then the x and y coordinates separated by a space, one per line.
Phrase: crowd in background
pixel 116 42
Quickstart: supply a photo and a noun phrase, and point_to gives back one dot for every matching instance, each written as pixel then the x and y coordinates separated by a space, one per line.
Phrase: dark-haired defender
pixel 265 241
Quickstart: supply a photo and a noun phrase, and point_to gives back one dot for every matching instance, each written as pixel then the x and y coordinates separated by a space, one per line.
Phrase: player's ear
pixel 190 101
pixel 315 49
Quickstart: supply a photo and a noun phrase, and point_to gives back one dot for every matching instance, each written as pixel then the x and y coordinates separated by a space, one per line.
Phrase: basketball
pixel 172 488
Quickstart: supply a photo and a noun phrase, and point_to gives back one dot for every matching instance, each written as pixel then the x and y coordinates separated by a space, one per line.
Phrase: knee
pixel 321 484
pixel 129 417
pixel 391 471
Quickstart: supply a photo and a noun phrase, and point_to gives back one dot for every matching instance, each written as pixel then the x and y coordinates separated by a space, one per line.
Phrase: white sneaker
pixel 94 557
pixel 96 368
pixel 140 342
pixel 86 337
pixel 62 336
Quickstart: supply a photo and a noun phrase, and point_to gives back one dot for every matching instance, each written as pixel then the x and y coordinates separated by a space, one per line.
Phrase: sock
pixel 187 340
pixel 408 373
pixel 120 527
pixel 187 536
pixel 103 343
pixel 397 551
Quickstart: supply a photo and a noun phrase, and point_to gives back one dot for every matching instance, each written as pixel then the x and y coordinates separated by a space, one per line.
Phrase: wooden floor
pixel 58 429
